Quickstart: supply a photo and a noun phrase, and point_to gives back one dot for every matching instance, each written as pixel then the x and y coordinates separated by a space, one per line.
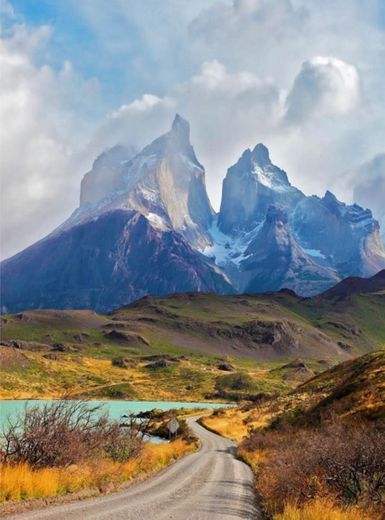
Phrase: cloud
pixel 369 185
pixel 303 76
pixel 6 9
pixel 324 86
pixel 250 34
pixel 37 138
pixel 206 100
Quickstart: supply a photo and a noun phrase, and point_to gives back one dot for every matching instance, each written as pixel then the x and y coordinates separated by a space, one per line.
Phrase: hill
pixel 350 391
pixel 172 347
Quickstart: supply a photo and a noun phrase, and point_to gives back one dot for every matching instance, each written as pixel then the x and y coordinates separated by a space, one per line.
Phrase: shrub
pixel 343 461
pixel 61 433
pixel 120 362
pixel 236 381
pixel 21 481
pixel 323 509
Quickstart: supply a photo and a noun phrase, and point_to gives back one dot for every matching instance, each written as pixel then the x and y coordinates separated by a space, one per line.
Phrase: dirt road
pixel 207 485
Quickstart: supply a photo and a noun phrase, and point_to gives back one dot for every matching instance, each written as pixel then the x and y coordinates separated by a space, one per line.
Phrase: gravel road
pixel 207 485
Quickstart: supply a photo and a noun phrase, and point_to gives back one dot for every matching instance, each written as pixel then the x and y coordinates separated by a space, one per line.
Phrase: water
pixel 9 408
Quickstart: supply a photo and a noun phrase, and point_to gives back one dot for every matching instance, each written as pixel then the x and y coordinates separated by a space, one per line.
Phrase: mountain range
pixel 145 225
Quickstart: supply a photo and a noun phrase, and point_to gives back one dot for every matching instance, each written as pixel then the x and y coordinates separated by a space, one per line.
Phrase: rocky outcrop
pixel 128 338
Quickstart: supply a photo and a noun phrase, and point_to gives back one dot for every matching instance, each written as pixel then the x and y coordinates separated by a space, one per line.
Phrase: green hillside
pixel 178 347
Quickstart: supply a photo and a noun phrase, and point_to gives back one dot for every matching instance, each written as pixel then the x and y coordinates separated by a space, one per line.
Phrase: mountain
pixel 357 285
pixel 165 182
pixel 145 226
pixel 250 187
pixel 269 235
pixel 347 235
pixel 274 259
pixel 105 263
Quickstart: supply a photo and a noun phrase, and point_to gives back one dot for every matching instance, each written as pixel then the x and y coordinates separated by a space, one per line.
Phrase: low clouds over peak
pixel 304 77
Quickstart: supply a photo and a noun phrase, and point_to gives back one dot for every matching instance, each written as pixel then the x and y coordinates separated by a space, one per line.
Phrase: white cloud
pixel 303 76
pixel 251 34
pixel 37 139
pixel 325 86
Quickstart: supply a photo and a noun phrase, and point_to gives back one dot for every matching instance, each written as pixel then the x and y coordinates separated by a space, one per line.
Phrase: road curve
pixel 207 485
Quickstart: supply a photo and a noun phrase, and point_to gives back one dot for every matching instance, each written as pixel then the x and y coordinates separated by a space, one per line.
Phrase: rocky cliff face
pixel 145 226
pixel 251 186
pixel 103 264
pixel 319 235
pixel 165 182
pixel 274 259
pixel 347 235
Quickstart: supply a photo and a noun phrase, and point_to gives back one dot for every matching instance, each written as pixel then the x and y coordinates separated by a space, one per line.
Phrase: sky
pixel 305 77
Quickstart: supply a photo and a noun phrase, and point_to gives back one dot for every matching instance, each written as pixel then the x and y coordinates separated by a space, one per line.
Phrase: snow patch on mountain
pixel 227 249
pixel 157 221
pixel 315 253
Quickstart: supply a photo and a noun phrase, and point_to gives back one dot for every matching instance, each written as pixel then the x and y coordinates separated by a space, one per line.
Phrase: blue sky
pixel 305 77
pixel 120 50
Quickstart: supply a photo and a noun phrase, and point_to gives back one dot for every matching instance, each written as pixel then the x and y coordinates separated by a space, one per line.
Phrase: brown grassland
pixel 317 452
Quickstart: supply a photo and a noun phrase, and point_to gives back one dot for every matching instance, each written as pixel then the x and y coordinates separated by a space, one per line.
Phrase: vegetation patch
pixel 69 446
pixel 318 451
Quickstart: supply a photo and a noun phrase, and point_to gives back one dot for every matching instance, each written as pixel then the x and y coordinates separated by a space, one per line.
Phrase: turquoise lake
pixel 115 409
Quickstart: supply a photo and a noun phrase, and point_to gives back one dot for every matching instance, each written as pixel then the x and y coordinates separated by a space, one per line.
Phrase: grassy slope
pixel 354 389
pixel 351 389
pixel 198 330
pixel 86 369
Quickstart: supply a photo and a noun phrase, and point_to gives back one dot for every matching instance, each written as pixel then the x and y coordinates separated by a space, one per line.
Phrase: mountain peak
pixel 181 128
pixel 261 155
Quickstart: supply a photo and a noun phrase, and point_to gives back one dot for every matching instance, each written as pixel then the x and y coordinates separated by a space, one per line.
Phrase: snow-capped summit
pixel 250 187
pixel 165 182
pixel 261 155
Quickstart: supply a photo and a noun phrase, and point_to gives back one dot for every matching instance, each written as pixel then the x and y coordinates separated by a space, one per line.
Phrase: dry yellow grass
pixel 253 458
pixel 20 482
pixel 236 423
pixel 323 509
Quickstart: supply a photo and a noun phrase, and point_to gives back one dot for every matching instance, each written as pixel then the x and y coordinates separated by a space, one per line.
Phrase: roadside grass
pixel 324 509
pixel 303 446
pixel 21 481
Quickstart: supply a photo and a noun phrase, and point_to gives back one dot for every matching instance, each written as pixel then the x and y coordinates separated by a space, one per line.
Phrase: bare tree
pixel 66 432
